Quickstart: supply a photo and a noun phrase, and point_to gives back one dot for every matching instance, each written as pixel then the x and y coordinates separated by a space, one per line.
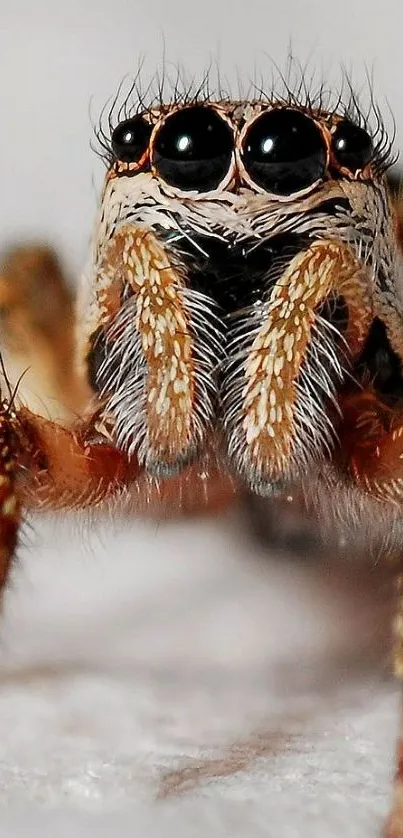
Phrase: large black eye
pixel 193 149
pixel 284 151
pixel 130 139
pixel 352 145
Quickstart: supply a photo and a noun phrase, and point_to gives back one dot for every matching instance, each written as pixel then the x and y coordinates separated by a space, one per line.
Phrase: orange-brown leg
pixel 37 330
pixel 394 827
pixel 371 451
pixel 270 432
pixel 42 463
pixel 79 467
pixel 371 445
pixel 45 465
pixel 66 467
pixel 10 507
pixel 140 301
pixel 139 309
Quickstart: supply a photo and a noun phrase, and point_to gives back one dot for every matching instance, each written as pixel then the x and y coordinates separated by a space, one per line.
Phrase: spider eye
pixel 193 149
pixel 284 151
pixel 130 139
pixel 352 146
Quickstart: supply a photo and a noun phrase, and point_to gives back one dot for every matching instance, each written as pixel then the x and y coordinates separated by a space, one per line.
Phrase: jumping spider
pixel 241 322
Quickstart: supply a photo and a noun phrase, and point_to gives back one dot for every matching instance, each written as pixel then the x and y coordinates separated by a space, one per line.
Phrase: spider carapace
pixel 240 321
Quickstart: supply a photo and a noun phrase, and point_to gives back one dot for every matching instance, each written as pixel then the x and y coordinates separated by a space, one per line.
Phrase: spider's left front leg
pixel 43 464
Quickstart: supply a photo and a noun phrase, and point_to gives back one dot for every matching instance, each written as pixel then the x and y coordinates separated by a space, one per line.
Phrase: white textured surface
pixel 175 677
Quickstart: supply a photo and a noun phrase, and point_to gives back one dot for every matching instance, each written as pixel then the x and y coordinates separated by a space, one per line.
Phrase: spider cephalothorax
pixel 245 260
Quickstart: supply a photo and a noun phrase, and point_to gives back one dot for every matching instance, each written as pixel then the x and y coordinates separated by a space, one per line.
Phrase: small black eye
pixel 130 139
pixel 352 146
pixel 284 151
pixel 193 149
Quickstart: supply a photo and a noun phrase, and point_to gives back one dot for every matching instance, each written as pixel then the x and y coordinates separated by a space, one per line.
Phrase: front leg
pixel 37 331
pixel 371 445
pixel 394 827
pixel 10 505
pixel 371 454
pixel 151 347
pixel 45 465
pixel 283 368
pixel 78 468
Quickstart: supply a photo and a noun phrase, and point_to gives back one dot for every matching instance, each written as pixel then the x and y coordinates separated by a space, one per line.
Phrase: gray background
pixel 56 58
pixel 133 650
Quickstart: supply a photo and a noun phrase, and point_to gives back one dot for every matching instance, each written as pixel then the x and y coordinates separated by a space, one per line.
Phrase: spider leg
pixel 394 828
pixel 45 465
pixel 10 506
pixel 371 445
pixel 60 467
pixel 289 364
pixel 79 467
pixel 371 453
pixel 37 330
pixel 151 347
pixel 48 465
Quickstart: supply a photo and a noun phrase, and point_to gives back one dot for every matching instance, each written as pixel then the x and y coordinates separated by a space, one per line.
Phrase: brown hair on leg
pixel 37 329
pixel 10 509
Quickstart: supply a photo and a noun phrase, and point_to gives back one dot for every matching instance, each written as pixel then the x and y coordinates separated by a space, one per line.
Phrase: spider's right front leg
pixel 152 347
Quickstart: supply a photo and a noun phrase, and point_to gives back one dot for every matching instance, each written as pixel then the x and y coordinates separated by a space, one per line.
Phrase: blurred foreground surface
pixel 176 679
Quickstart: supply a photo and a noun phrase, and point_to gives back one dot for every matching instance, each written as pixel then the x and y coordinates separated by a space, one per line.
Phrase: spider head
pixel 244 267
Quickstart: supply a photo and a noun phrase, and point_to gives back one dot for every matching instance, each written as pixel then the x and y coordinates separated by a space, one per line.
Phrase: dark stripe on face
pixel 381 365
pixel 235 274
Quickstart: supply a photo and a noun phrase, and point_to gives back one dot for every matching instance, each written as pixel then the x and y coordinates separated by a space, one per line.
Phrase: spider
pixel 240 324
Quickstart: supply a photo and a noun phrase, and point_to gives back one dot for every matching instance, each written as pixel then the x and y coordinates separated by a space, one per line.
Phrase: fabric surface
pixel 177 679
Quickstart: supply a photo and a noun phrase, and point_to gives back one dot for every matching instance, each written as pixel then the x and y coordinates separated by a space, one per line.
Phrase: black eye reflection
pixel 284 151
pixel 352 146
pixel 193 149
pixel 130 139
